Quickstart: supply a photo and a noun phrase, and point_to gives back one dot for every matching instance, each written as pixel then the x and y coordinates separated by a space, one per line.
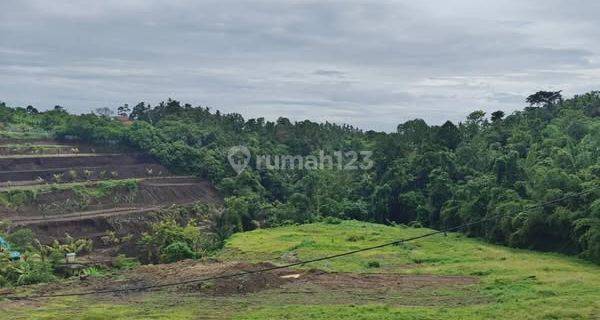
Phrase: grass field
pixel 512 284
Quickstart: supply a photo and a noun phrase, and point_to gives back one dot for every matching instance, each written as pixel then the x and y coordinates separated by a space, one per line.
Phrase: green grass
pixel 72 308
pixel 515 284
pixel 24 135
pixel 103 188
pixel 53 155
pixel 28 149
pixel 546 285
pixel 27 145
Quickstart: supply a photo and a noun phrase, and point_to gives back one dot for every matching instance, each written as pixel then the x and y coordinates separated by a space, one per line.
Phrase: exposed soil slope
pixel 64 191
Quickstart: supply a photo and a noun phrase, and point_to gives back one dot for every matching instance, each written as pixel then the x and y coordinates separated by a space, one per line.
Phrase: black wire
pixel 247 272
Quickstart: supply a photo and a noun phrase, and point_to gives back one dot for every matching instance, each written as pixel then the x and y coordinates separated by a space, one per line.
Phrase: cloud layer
pixel 370 64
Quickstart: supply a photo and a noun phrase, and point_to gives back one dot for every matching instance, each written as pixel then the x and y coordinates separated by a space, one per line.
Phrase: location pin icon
pixel 239 157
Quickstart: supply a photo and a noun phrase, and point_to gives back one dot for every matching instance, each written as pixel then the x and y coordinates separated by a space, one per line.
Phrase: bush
pixel 55 253
pixel 415 224
pixel 92 272
pixel 125 263
pixel 32 272
pixel 21 239
pixel 355 238
pixel 332 220
pixel 373 264
pixel 177 251
pixel 166 239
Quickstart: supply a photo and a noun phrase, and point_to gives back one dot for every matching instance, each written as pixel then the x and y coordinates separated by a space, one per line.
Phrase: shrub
pixel 125 263
pixel 92 272
pixel 57 177
pixel 415 224
pixel 332 220
pixel 21 239
pixel 373 264
pixel 73 175
pixel 168 232
pixel 177 251
pixel 32 272
pixel 16 198
pixel 354 238
pixel 111 238
pixel 56 251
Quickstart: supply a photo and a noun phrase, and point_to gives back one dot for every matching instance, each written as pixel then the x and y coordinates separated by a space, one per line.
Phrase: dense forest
pixel 437 176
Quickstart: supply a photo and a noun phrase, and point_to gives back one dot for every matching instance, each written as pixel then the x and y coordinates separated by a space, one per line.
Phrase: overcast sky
pixel 372 64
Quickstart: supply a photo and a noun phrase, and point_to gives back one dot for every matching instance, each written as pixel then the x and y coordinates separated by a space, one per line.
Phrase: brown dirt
pixel 55 212
pixel 95 224
pixel 27 162
pixel 345 281
pixel 76 216
pixel 286 285
pixel 151 193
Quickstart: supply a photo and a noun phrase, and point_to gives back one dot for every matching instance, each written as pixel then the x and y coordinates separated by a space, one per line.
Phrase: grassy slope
pixel 524 284
pixel 518 284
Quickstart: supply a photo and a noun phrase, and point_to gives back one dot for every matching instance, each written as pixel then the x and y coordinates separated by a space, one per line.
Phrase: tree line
pixel 423 175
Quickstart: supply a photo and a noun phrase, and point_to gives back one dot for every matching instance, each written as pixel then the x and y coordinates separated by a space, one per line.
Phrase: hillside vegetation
pixel 436 176
pixel 500 283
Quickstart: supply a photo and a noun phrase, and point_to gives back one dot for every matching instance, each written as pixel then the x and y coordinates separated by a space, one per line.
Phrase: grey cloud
pixel 368 64
pixel 331 73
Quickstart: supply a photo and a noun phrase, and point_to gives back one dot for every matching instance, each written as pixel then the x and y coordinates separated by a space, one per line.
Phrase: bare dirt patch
pixel 95 224
pixel 50 212
pixel 285 286
pixel 342 281
pixel 150 192
pixel 27 162
pixel 126 211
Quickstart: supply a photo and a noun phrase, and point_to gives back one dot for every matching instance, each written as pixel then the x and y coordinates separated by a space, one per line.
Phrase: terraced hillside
pixel 55 188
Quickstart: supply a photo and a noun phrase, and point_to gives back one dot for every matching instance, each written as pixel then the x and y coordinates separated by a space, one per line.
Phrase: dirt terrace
pixel 53 203
pixel 49 147
pixel 73 174
pixel 29 162
pixel 52 212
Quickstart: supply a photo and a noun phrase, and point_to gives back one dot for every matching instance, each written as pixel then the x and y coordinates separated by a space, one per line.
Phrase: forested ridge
pixel 435 176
